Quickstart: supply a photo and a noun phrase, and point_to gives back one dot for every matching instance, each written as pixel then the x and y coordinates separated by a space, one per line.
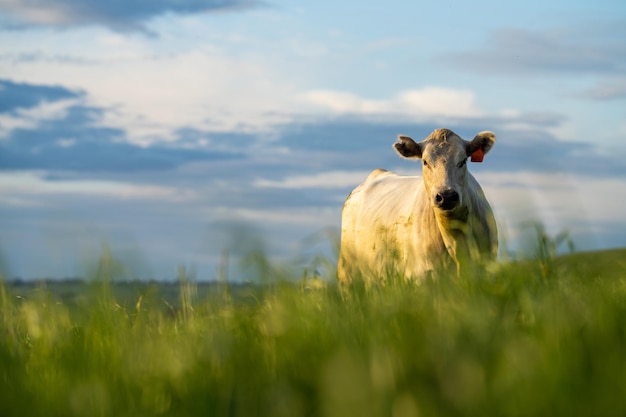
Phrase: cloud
pixel 53 129
pixel 420 103
pixel 118 15
pixel 15 96
pixel 309 216
pixel 608 90
pixel 540 151
pixel 149 95
pixel 91 156
pixel 36 183
pixel 73 140
pixel 26 106
pixel 585 206
pixel 581 50
pixel 331 179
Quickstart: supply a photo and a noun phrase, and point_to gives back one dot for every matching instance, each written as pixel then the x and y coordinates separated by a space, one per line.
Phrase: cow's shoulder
pixel 378 172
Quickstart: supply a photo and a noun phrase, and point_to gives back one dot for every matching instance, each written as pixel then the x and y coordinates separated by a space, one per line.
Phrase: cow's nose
pixel 447 199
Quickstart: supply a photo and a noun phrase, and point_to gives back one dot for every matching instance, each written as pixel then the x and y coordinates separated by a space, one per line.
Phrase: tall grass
pixel 515 339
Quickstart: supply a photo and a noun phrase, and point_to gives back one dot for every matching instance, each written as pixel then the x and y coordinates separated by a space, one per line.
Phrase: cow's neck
pixel 455 232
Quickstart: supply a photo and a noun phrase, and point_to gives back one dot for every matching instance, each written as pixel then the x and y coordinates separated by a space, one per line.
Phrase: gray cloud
pixel 78 142
pixel 579 50
pixel 118 15
pixel 352 143
pixel 612 90
pixel 73 143
pixel 14 96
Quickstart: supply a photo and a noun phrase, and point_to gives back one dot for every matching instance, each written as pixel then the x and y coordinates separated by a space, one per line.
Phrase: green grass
pixel 533 338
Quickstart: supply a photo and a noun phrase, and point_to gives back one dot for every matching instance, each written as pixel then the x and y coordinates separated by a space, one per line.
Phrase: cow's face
pixel 444 160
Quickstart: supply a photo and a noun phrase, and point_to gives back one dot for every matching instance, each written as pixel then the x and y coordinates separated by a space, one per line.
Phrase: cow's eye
pixel 463 162
pixel 424 162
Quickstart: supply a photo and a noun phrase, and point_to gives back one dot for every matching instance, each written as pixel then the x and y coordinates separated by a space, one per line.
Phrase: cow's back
pixel 388 228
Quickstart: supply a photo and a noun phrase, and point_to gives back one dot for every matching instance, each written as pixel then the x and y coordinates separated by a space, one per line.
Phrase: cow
pixel 413 227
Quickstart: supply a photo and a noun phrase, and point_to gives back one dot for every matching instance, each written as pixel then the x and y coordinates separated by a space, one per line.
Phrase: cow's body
pixel 408 225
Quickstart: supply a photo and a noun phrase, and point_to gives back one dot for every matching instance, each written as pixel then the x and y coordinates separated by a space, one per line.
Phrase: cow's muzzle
pixel 447 199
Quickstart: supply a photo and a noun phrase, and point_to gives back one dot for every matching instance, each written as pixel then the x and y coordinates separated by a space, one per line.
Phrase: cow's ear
pixel 480 145
pixel 407 148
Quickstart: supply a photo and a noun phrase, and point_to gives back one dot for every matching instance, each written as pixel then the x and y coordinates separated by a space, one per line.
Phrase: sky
pixel 172 133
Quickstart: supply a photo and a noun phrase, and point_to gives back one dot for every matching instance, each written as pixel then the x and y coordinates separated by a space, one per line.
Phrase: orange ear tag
pixel 478 155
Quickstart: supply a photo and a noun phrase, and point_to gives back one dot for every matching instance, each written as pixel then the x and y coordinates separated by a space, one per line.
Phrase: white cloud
pixel 418 103
pixel 116 14
pixel 560 201
pixel 312 217
pixel 151 87
pixel 332 179
pixel 149 93
pixel 37 13
pixel 30 118
pixel 67 142
pixel 590 49
pixel 30 188
pixel 611 89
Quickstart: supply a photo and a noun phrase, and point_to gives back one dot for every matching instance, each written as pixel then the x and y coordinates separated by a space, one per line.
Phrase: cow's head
pixel 444 155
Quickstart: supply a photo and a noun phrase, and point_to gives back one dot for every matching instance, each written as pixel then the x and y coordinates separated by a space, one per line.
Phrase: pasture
pixel 539 337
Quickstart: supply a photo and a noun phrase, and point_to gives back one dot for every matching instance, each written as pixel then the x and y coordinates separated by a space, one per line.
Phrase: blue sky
pixel 163 129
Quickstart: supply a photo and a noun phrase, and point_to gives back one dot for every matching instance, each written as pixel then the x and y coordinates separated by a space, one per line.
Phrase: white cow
pixel 412 226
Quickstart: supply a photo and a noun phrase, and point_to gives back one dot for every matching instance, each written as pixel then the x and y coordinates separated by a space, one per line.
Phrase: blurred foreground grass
pixel 543 337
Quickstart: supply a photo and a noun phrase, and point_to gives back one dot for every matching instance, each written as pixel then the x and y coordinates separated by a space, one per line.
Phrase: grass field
pixel 536 338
